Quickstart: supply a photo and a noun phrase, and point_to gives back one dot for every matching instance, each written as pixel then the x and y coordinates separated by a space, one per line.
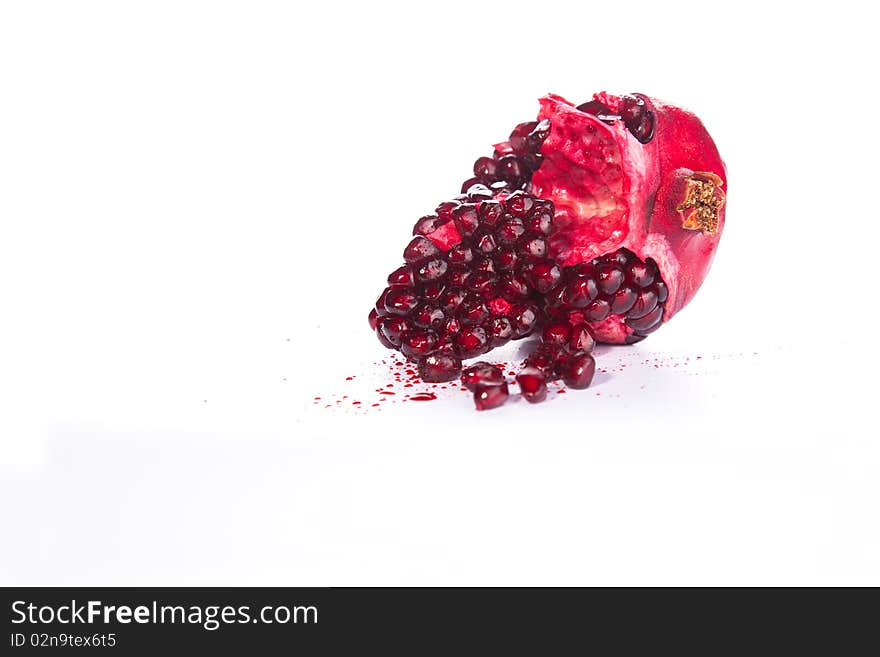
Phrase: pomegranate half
pixel 595 222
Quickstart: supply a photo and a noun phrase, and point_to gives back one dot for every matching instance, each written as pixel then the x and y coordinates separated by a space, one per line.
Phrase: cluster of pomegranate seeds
pixel 472 280
pixel 614 287
pixel 514 161
pixel 637 118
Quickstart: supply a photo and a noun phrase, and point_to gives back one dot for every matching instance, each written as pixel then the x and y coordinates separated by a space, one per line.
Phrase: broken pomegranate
pixel 595 222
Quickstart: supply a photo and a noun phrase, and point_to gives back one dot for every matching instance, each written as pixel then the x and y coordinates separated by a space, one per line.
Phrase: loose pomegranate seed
pixel 532 384
pixel 490 396
pixel 544 358
pixel 577 369
pixel 481 374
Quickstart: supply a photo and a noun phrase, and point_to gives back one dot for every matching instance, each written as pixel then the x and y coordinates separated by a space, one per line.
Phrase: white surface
pixel 199 202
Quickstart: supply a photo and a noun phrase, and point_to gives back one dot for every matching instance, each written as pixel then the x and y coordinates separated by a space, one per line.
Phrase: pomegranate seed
pixel 432 270
pixel 451 326
pixel 510 169
pixel 509 231
pixel 519 204
pixel 544 358
pixel 662 291
pixel 581 338
pixel 400 300
pixel 543 275
pixel 532 384
pixel 622 301
pixel 647 321
pixel 444 210
pixel 594 107
pixel 420 248
pixel 418 343
pixel 577 370
pixel 392 328
pixel 469 184
pixel 472 310
pixel 490 212
pixel 481 373
pixel 460 254
pixel 373 319
pixel 428 316
pixel 580 292
pixel 646 301
pixel 431 291
pixel 471 341
pixel 519 137
pixel 485 169
pixel 486 243
pixel 466 220
pixel 457 276
pixel 557 333
pixel 637 118
pixel 536 247
pixel 597 310
pixel 609 278
pixel 640 274
pixel 401 276
pixel 505 258
pixel 487 397
pixel 512 286
pixel 439 368
pixel 426 225
pixel 524 320
pixel 452 299
pixel 500 331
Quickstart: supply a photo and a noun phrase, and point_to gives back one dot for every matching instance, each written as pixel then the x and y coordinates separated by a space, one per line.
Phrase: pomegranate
pixel 595 222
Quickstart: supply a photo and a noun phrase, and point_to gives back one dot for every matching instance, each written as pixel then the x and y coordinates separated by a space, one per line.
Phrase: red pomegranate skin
pixel 663 199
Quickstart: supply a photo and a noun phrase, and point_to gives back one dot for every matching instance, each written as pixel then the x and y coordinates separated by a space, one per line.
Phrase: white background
pixel 199 203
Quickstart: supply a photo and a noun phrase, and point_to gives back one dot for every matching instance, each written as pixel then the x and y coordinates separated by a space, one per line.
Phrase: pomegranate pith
pixel 595 222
